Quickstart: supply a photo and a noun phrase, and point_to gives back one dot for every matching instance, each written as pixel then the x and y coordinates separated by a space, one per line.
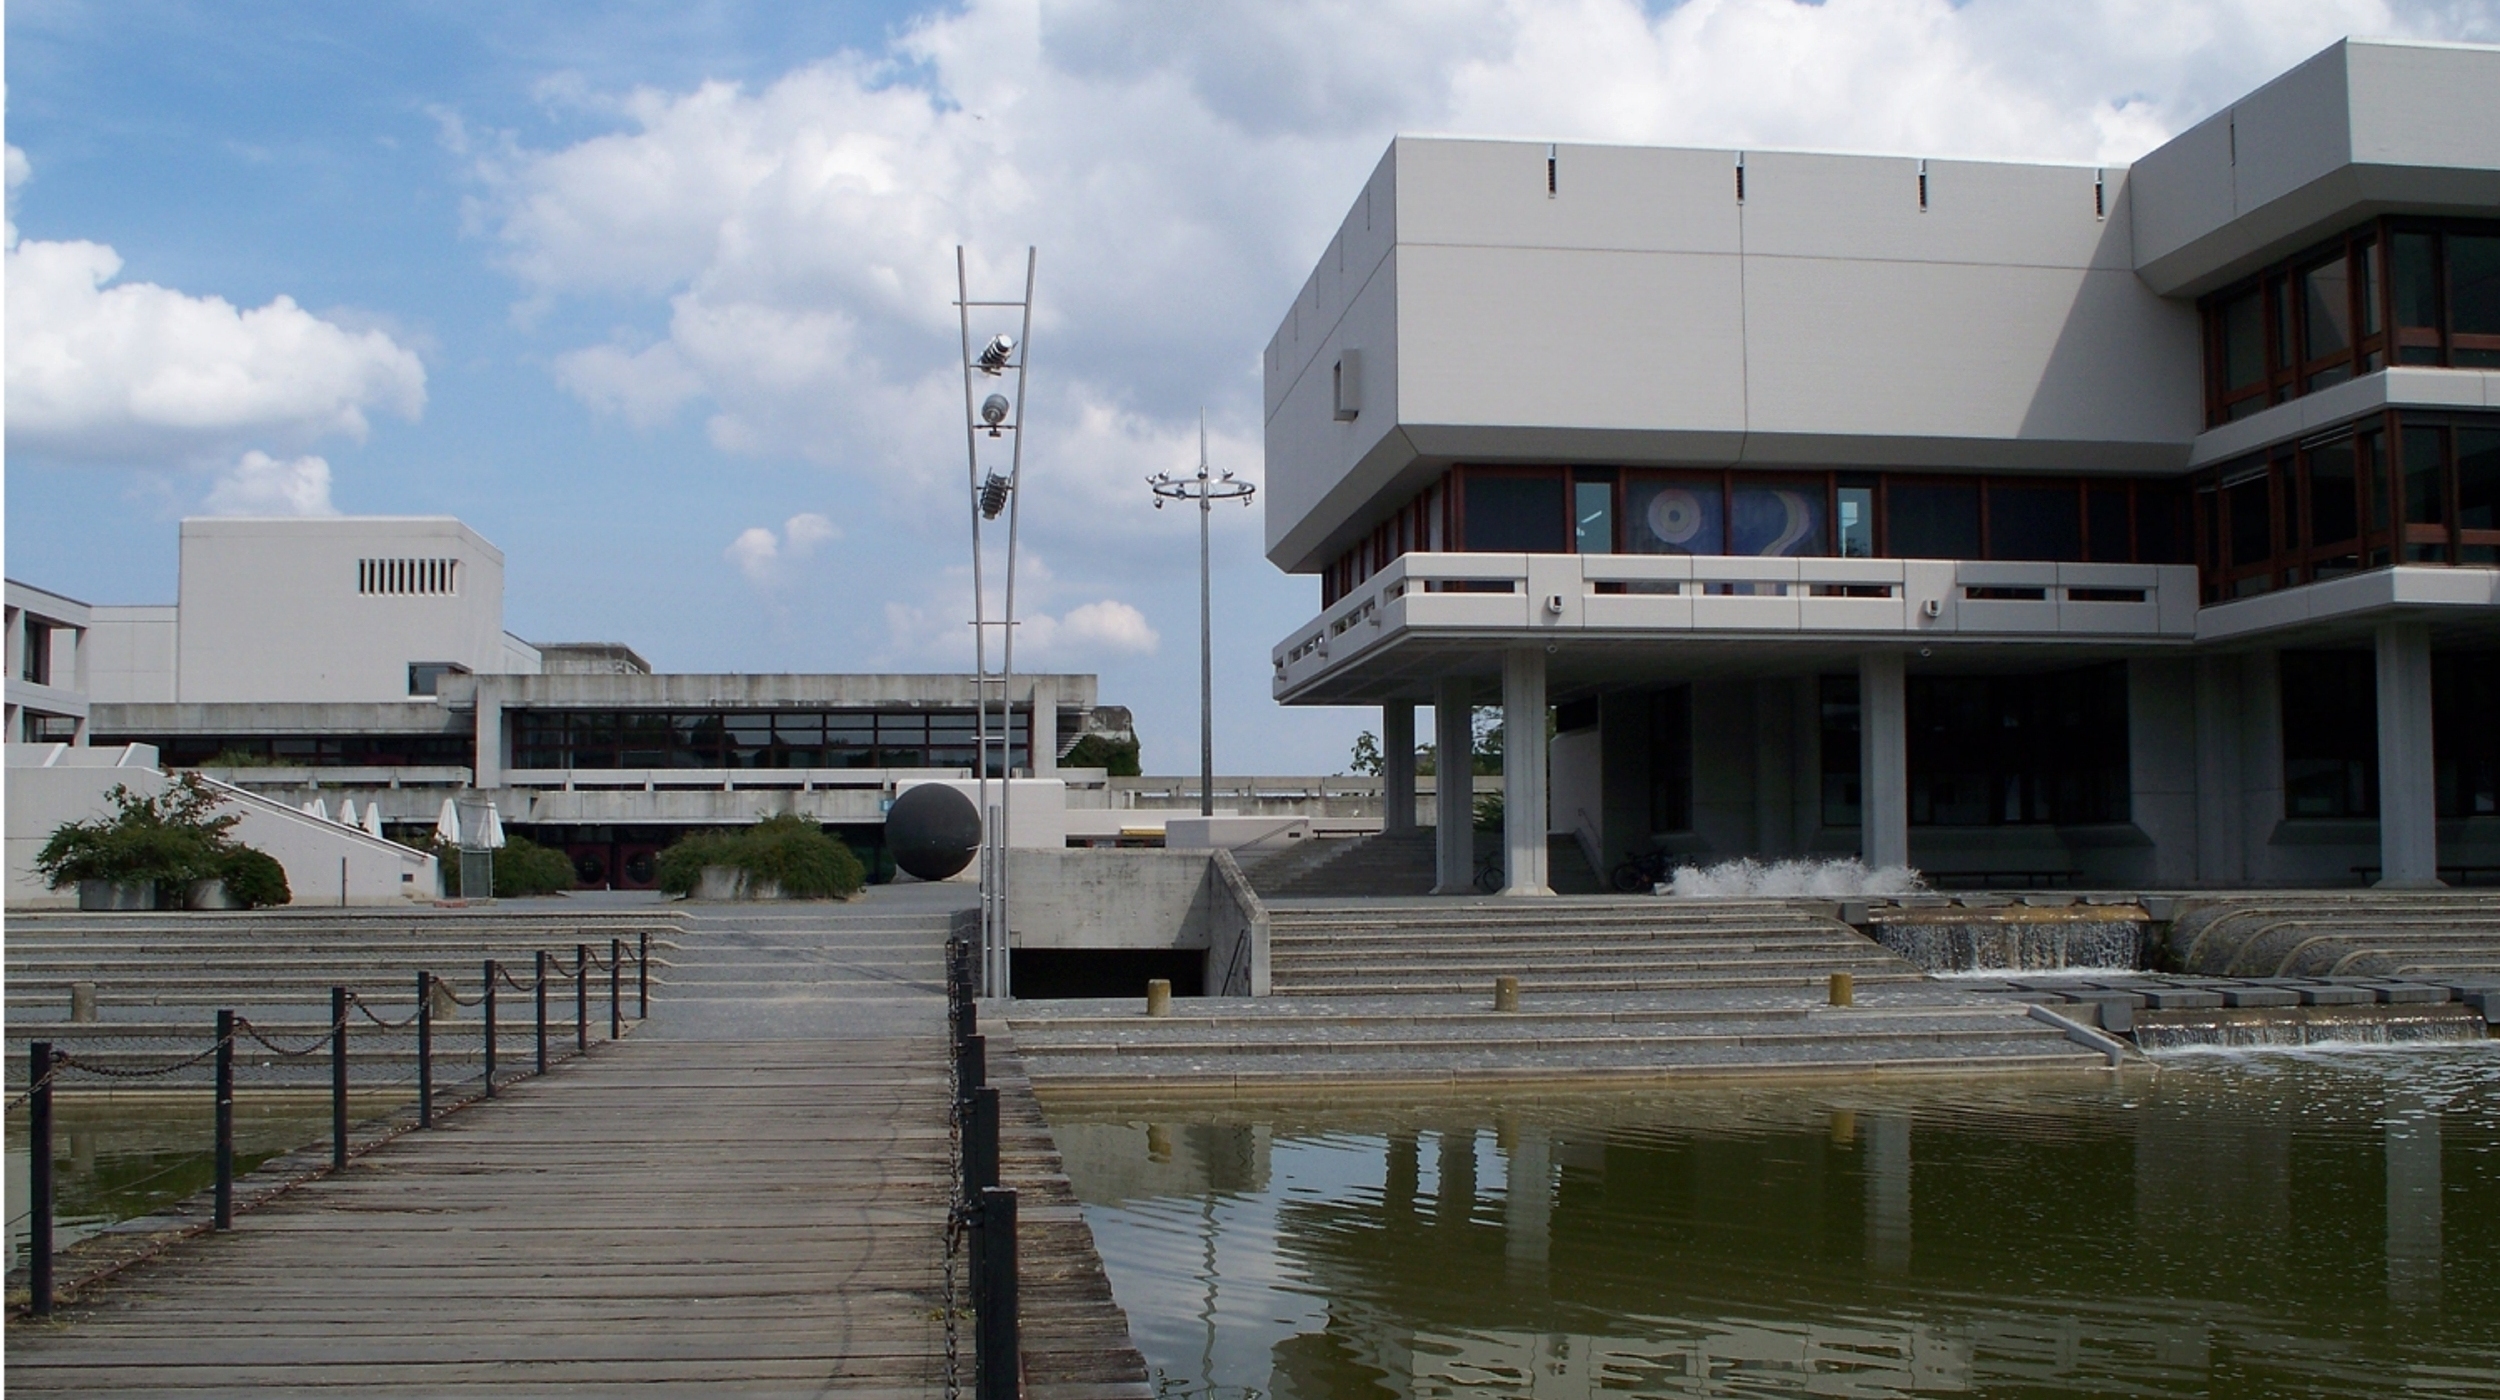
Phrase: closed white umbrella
pixel 320 809
pixel 373 820
pixel 493 836
pixel 347 813
pixel 447 825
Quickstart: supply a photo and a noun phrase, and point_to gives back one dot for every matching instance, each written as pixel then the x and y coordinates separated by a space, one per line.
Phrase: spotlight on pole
pixel 1205 489
pixel 994 356
pixel 993 496
pixel 994 412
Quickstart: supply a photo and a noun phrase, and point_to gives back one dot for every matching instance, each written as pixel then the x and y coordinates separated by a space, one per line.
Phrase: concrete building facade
pixel 2019 522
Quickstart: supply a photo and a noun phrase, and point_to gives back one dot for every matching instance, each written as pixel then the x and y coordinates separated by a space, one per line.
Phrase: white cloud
pixel 1107 626
pixel 136 371
pixel 763 556
pixel 260 484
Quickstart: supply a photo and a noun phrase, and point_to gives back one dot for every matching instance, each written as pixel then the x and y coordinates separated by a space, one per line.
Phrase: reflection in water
pixel 2198 1232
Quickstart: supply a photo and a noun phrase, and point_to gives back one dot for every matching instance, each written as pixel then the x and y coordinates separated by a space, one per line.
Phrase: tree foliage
pixel 523 867
pixel 1116 757
pixel 787 849
pixel 173 839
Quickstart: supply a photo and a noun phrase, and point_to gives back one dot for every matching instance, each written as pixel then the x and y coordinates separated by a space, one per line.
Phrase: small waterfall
pixel 2011 945
pixel 2308 1025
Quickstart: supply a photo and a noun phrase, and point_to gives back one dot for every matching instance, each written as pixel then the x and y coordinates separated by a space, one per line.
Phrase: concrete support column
pixel 1454 786
pixel 1883 761
pixel 1042 733
pixel 2221 841
pixel 1523 771
pixel 2408 814
pixel 1397 768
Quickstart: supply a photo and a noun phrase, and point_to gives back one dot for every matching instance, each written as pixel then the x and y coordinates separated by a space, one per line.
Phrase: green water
pixel 2249 1224
pixel 118 1157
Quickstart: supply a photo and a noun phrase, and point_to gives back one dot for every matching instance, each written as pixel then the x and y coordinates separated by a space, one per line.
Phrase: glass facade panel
pixel 1776 520
pixel 1932 519
pixel 2016 750
pixel 1674 515
pixel 2330 734
pixel 1857 522
pixel 2326 309
pixel 699 739
pixel 1838 697
pixel 2251 528
pixel 2416 278
pixel 2474 286
pixel 2333 504
pixel 1671 760
pixel 2243 341
pixel 2105 509
pixel 2478 479
pixel 2423 498
pixel 1593 517
pixel 2035 522
pixel 1515 514
pixel 2465 743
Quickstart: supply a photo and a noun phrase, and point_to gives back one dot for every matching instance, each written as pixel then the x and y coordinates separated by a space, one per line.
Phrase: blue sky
pixel 655 295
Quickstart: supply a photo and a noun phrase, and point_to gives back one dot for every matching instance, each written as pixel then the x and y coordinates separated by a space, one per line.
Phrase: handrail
pixel 1241 968
pixel 49 1063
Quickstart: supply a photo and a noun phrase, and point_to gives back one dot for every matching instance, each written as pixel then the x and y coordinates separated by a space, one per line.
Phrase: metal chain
pixel 60 1061
pixel 359 1003
pixel 958 1210
pixel 244 1026
pixel 70 1061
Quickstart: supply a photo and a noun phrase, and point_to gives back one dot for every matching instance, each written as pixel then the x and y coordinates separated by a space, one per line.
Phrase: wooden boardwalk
pixel 747 1199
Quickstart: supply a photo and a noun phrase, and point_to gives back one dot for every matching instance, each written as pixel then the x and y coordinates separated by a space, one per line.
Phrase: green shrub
pixel 788 849
pixel 254 878
pixel 1116 757
pixel 171 838
pixel 523 867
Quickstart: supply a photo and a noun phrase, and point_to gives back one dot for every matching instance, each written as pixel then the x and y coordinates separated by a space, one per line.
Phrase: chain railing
pixel 47 1063
pixel 980 1214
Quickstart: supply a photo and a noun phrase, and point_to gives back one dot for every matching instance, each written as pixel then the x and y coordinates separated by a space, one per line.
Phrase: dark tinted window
pixel 2333 513
pixel 2035 522
pixel 2106 505
pixel 1933 520
pixel 1515 514
pixel 2330 734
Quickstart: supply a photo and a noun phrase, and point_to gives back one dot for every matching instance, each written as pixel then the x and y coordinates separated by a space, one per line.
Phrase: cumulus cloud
pixel 763 555
pixel 1052 630
pixel 1109 626
pixel 138 372
pixel 260 484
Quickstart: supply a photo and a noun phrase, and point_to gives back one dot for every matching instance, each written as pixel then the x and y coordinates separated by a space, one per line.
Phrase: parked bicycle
pixel 1490 876
pixel 1644 871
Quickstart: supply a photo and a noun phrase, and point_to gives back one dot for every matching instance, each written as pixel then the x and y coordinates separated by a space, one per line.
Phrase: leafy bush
pixel 1116 757
pixel 789 850
pixel 170 838
pixel 523 867
pixel 254 878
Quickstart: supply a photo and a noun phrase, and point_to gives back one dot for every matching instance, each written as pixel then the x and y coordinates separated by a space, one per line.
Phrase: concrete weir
pixel 1996 933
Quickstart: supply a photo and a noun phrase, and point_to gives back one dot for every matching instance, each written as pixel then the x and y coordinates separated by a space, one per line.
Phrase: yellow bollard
pixel 1844 989
pixel 1506 994
pixel 1159 997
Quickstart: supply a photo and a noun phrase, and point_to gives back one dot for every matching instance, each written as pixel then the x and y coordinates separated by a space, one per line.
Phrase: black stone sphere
pixel 933 831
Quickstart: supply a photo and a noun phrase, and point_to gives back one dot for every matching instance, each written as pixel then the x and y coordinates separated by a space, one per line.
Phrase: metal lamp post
pixel 1206 491
pixel 995 416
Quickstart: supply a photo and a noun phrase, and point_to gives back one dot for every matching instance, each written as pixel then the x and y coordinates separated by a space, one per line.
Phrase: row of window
pixel 306 750
pixel 565 739
pixel 2396 291
pixel 1857 515
pixel 2395 488
pixel 2330 739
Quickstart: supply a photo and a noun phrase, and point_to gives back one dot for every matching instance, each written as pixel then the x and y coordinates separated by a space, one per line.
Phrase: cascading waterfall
pixel 2321 1025
pixel 2030 944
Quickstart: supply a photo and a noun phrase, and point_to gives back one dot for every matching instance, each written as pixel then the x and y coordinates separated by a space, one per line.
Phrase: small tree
pixel 1366 760
pixel 172 839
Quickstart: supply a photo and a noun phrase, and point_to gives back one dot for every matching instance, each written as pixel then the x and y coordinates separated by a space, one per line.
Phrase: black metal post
pixel 642 977
pixel 972 1066
pixel 981 1142
pixel 425 1049
pixel 616 972
pixel 489 999
pixel 581 998
pixel 39 1178
pixel 541 990
pixel 224 1214
pixel 996 1323
pixel 338 1078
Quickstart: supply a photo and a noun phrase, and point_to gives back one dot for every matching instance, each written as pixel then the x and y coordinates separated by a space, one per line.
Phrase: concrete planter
pixel 211 894
pixel 116 895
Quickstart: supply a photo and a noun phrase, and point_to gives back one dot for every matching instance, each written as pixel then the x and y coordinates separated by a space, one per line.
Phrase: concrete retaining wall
pixel 1143 899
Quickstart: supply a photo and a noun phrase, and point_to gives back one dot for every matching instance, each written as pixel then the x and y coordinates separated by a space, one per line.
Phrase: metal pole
pixel 997 1321
pixel 39 1178
pixel 1001 987
pixel 642 978
pixel 338 1078
pixel 972 1066
pixel 223 1217
pixel 616 971
pixel 581 998
pixel 981 1142
pixel 1206 636
pixel 980 603
pixel 540 988
pixel 489 999
pixel 425 1049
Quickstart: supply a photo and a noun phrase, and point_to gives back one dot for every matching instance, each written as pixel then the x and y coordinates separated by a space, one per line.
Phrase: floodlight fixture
pixel 994 356
pixel 994 412
pixel 993 496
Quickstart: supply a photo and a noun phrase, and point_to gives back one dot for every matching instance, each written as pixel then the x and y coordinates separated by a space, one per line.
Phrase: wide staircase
pixel 1595 944
pixel 1386 866
pixel 2436 934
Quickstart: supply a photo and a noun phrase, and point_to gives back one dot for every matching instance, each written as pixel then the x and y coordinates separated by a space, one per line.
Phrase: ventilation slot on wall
pixel 1347 383
pixel 407 577
pixel 1922 187
pixel 2100 197
pixel 1549 172
pixel 1740 177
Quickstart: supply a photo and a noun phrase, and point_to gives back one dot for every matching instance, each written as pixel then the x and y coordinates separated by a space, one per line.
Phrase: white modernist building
pixel 364 660
pixel 2015 521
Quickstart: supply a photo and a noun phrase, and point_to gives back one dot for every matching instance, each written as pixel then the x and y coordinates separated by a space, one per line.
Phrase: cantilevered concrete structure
pixel 2017 521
